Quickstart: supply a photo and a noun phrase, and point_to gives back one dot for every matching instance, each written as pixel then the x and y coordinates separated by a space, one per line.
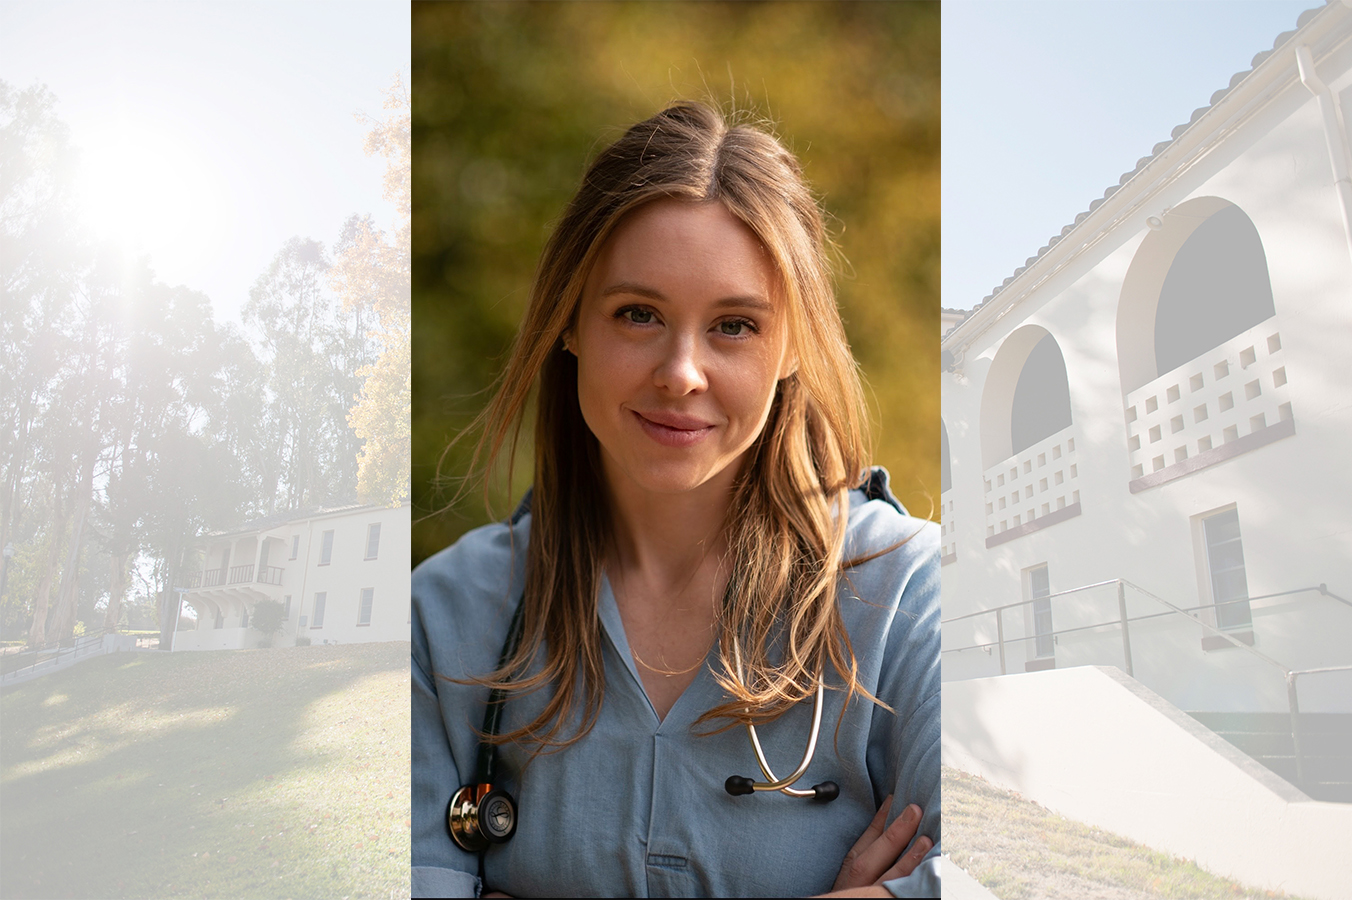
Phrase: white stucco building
pixel 341 574
pixel 1147 427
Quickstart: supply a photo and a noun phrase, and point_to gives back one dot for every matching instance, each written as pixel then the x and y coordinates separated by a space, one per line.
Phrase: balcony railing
pixel 1230 399
pixel 235 575
pixel 1037 482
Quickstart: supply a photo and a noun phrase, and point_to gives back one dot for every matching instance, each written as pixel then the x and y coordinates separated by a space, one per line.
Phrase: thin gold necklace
pixel 619 588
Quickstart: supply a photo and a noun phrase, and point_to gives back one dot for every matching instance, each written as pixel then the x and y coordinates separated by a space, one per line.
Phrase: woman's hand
pixel 874 857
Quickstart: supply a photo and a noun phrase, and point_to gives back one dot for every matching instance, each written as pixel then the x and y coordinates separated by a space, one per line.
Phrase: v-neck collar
pixel 695 692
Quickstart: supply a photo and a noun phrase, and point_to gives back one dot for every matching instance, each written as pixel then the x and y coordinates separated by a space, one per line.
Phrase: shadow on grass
pixel 232 773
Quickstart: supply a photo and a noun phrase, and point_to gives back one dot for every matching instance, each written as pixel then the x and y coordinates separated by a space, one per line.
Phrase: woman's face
pixel 680 341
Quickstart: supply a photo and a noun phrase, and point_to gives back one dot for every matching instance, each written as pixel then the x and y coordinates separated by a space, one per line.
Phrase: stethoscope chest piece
pixel 480 815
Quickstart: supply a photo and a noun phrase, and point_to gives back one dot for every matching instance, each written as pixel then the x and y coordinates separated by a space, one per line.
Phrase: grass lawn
pixel 1022 850
pixel 247 773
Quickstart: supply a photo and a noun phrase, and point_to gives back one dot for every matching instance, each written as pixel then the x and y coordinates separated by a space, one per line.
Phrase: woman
pixel 703 549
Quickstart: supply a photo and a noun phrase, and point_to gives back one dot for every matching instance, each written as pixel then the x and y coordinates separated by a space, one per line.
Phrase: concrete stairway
pixel 1325 747
pixel 1095 745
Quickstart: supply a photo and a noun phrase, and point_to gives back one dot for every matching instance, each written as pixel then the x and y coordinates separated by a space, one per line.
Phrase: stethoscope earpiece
pixel 826 791
pixel 737 785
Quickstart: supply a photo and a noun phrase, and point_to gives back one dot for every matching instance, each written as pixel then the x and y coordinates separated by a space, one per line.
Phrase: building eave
pixel 281 520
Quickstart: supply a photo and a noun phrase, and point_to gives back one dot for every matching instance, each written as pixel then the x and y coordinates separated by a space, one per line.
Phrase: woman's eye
pixel 637 315
pixel 735 327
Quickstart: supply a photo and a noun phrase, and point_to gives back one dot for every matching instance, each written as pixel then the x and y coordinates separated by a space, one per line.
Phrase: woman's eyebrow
pixel 747 301
pixel 744 301
pixel 638 290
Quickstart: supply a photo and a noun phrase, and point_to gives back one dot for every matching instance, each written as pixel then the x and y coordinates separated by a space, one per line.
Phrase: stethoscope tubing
pixel 784 784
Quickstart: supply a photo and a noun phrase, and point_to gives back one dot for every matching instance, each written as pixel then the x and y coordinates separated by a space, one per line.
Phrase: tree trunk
pixel 117 586
pixel 67 598
pixel 169 600
pixel 37 635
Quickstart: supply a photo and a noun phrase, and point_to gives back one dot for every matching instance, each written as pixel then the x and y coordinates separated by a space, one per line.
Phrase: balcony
pixel 1225 402
pixel 235 575
pixel 1033 489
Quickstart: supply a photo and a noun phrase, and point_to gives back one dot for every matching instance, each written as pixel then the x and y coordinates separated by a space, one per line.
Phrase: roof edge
pixel 1244 88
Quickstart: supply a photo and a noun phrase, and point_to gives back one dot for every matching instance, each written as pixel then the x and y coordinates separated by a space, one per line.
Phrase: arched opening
pixel 1198 346
pixel 1030 467
pixel 1041 404
pixel 1216 287
pixel 1194 283
pixel 1026 398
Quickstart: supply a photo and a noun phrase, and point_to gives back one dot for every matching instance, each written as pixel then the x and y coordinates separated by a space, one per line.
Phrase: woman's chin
pixel 671 478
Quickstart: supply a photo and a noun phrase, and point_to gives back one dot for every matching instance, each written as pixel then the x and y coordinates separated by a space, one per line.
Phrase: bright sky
pixel 213 132
pixel 1047 102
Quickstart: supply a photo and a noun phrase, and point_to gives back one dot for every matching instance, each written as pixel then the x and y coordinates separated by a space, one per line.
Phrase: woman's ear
pixel 789 366
pixel 568 341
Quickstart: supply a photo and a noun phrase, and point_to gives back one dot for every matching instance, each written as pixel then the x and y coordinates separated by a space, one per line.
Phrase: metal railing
pixel 1123 621
pixel 234 575
pixel 51 655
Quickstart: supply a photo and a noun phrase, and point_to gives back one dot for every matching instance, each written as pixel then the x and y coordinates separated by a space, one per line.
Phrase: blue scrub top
pixel 637 808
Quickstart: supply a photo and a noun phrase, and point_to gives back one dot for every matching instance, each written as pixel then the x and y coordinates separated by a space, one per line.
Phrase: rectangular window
pixel 295 545
pixel 373 541
pixel 286 608
pixel 319 609
pixel 1225 568
pixel 364 614
pixel 1039 588
pixel 326 551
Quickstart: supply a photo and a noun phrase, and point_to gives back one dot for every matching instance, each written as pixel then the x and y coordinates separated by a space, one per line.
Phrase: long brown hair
pixel 788 516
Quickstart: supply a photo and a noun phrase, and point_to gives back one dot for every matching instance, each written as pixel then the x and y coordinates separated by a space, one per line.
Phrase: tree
pixel 41 253
pixel 132 422
pixel 268 617
pixel 311 353
pixel 373 271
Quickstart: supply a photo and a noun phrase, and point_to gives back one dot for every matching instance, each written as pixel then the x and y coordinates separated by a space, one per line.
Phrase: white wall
pixel 1291 495
pixel 349 571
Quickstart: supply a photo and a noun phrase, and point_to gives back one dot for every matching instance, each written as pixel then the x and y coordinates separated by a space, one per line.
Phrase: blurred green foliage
pixel 511 101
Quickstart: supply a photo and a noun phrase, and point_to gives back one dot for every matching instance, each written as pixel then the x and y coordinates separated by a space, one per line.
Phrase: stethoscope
pixel 480 815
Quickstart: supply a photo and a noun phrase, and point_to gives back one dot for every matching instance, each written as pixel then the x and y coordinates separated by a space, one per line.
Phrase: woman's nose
pixel 681 371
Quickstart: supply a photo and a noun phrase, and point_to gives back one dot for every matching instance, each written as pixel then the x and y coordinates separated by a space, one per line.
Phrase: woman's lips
pixel 673 429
